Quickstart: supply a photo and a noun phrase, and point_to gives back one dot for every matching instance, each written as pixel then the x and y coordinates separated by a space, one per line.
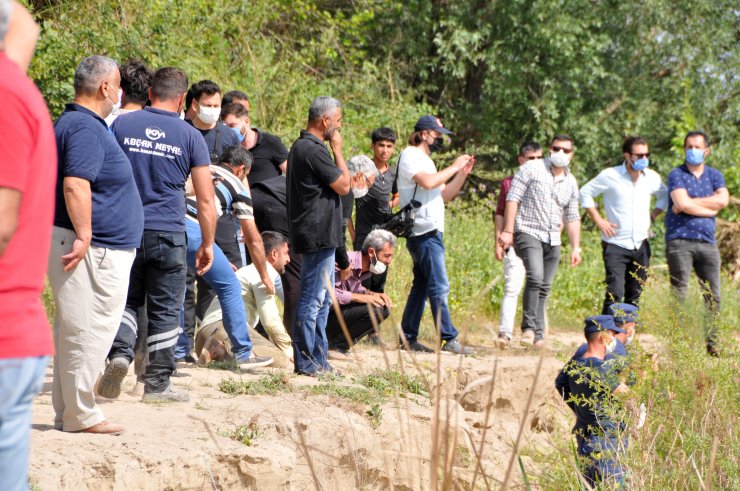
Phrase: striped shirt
pixel 232 196
pixel 543 200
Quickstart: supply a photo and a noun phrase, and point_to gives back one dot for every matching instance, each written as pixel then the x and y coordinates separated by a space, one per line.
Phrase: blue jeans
pixel 157 279
pixel 310 345
pixel 222 279
pixel 430 282
pixel 20 381
pixel 604 454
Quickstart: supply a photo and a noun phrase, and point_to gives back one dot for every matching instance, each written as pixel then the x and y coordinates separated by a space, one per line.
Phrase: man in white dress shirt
pixel 627 191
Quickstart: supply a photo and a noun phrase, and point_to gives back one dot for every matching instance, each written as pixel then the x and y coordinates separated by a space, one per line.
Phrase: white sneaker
pixel 255 361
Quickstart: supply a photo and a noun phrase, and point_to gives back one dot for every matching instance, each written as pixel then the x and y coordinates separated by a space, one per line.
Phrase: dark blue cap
pixel 599 323
pixel 623 312
pixel 430 122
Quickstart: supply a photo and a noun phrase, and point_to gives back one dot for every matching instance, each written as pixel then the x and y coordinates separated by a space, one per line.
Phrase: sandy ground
pixel 298 438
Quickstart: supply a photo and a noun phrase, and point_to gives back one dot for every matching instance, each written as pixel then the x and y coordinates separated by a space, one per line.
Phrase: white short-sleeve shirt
pixel 431 214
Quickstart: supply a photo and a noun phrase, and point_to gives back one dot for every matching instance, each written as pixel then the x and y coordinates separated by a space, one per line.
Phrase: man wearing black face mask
pixel 419 180
pixel 354 300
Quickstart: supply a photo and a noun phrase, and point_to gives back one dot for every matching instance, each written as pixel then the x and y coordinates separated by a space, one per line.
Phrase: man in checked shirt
pixel 543 194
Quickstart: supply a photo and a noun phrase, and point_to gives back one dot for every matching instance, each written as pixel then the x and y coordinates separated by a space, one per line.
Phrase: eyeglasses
pixel 641 155
pixel 559 149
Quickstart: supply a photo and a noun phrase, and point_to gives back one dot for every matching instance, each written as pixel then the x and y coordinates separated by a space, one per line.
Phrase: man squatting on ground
pixel 158 143
pixel 543 194
pixel 315 183
pixel 27 164
pixel 514 271
pixel 98 225
pixel 627 190
pixel 211 341
pixel 355 302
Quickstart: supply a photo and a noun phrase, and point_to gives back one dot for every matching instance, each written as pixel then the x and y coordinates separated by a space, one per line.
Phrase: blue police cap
pixel 598 323
pixel 623 312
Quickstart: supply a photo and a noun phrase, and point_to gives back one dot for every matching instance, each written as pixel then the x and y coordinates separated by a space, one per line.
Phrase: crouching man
pixel 212 342
pixel 587 384
pixel 355 301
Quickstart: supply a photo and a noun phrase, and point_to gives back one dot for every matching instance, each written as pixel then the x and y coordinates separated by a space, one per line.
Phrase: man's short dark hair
pixel 696 133
pixel 383 134
pixel 189 98
pixel 169 83
pixel 233 108
pixel 136 79
pixel 529 146
pixel 562 137
pixel 236 156
pixel 631 141
pixel 234 94
pixel 592 336
pixel 272 240
pixel 207 87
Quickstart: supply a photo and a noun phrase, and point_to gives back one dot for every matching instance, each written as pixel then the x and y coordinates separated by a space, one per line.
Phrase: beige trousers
pixel 89 303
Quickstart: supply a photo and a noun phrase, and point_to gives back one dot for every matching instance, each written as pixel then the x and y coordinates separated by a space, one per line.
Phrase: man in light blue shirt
pixel 627 190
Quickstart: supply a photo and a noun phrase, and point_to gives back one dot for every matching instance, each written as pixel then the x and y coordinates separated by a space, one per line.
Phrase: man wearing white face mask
pixel 354 300
pixel 542 193
pixel 98 224
pixel 207 108
pixel 627 190
pixel 697 192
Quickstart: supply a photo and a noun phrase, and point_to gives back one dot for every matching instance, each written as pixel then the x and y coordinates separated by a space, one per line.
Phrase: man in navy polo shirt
pixel 163 150
pixel 696 194
pixel 98 225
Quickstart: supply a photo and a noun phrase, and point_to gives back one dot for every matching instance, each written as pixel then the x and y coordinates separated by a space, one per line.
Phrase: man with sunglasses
pixel 513 266
pixel 543 194
pixel 627 190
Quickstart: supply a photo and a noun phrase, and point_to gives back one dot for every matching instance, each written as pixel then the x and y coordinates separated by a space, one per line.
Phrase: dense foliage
pixel 498 72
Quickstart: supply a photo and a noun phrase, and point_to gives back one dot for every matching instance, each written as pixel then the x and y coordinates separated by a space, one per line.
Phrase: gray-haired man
pixel 355 301
pixel 98 225
pixel 315 222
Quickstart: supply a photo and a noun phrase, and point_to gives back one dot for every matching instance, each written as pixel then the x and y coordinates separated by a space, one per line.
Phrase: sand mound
pixel 342 433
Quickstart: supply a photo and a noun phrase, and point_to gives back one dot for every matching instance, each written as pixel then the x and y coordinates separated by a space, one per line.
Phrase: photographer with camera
pixel 419 180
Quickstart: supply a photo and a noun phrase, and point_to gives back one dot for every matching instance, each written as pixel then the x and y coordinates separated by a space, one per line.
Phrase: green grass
pixel 272 384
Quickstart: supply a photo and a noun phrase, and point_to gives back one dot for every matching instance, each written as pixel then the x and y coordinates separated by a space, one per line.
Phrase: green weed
pixel 272 384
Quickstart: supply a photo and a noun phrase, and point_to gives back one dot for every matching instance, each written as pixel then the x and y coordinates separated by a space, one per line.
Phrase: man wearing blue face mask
pixel 697 193
pixel 627 190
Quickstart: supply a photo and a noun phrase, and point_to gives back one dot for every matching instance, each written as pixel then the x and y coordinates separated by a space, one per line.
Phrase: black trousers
pixel 626 272
pixel 291 289
pixel 359 324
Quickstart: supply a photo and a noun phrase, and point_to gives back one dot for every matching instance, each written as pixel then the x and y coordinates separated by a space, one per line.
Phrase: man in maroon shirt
pixel 27 177
pixel 513 266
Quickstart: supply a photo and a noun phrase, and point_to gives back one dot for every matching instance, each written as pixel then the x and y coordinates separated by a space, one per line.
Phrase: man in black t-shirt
pixel 375 207
pixel 206 107
pixel 270 155
pixel 315 223
pixel 270 213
